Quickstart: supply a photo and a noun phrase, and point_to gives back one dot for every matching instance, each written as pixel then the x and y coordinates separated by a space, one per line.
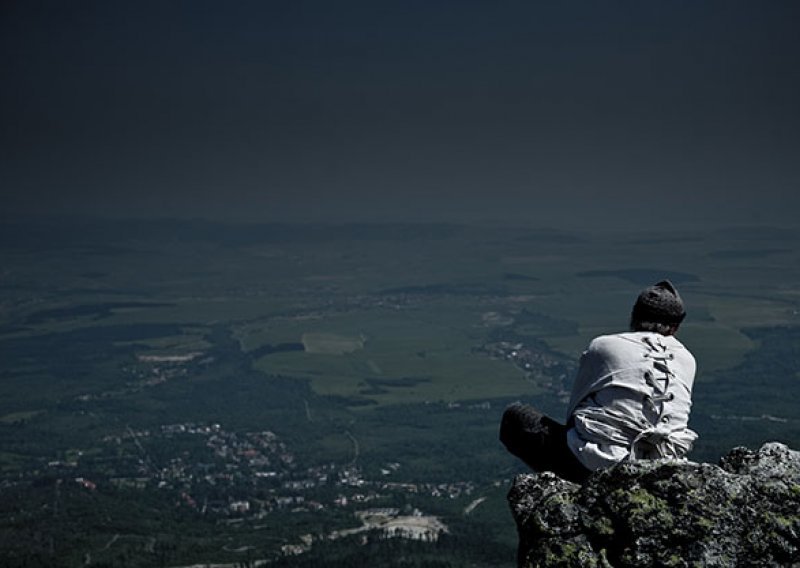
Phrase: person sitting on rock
pixel 631 398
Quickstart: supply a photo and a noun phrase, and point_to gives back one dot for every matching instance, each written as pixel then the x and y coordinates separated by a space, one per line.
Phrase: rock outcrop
pixel 744 512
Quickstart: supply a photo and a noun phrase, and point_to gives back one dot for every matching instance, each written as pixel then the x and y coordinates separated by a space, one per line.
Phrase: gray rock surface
pixel 744 512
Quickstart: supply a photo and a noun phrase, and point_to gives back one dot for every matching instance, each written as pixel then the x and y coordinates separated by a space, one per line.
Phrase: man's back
pixel 632 394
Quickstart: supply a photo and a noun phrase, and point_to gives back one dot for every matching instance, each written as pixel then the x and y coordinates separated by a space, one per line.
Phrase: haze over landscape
pixel 573 114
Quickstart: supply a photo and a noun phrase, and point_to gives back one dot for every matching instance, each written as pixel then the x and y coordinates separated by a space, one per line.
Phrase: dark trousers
pixel 540 442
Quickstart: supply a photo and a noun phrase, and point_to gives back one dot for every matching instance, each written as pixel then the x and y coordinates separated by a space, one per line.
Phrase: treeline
pixel 449 551
pixel 754 402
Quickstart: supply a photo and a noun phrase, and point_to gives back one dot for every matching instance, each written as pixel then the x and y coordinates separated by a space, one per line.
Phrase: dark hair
pixel 653 326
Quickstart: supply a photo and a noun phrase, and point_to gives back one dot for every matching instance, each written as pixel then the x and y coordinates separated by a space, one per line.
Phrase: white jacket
pixel 631 399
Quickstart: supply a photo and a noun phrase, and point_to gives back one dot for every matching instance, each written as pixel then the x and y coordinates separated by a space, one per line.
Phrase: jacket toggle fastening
pixel 656 434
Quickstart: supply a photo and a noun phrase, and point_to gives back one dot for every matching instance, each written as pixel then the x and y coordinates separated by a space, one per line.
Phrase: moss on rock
pixel 744 512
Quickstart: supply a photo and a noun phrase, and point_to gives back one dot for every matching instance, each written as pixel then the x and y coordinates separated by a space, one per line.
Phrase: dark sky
pixel 663 113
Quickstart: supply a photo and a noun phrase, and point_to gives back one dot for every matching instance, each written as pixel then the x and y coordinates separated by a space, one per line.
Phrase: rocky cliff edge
pixel 743 512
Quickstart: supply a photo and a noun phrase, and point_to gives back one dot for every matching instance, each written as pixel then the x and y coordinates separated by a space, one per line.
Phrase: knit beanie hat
pixel 659 303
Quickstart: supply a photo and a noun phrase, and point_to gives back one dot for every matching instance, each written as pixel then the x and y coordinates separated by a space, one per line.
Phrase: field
pixel 379 353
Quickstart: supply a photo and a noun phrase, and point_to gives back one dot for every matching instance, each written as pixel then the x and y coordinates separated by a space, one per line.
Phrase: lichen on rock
pixel 744 512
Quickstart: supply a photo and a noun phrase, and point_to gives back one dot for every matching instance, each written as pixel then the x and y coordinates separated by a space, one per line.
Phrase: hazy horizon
pixel 575 116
